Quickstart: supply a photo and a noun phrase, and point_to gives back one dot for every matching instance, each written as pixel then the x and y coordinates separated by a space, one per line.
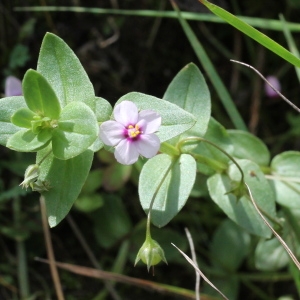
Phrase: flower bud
pixel 30 176
pixel 150 253
pixel 238 190
pixel 40 186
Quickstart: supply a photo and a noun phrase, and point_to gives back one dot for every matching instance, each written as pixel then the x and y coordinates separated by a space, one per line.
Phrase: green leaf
pixel 27 141
pixel 9 106
pixel 248 146
pixel 252 32
pixel 189 91
pixel 169 181
pixel 111 221
pixel 23 117
pixel 93 182
pixel 63 70
pixel 66 178
pixel 229 246
pixel 285 169
pixel 89 203
pixel 39 95
pixel 270 255
pixel 103 113
pixel 241 210
pixel 115 176
pixel 103 109
pixel 19 56
pixel 175 120
pixel 77 130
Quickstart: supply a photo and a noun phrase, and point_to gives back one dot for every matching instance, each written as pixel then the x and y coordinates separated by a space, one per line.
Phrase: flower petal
pixel 126 152
pixel 13 86
pixel 126 113
pixel 149 121
pixel 148 145
pixel 111 133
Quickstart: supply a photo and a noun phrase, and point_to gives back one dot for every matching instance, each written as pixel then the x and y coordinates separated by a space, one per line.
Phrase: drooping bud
pixel 150 253
pixel 30 176
pixel 238 190
pixel 40 186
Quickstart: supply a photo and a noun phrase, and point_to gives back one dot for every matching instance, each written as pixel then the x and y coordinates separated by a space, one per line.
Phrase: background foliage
pixel 122 54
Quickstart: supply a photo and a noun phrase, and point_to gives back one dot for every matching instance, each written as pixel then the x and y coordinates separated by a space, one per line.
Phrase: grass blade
pixel 291 42
pixel 255 22
pixel 253 33
pixel 212 74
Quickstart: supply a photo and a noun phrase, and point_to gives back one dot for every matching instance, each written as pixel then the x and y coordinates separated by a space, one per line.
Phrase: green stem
pixel 199 139
pixel 214 164
pixel 41 161
pixel 148 234
pixel 169 149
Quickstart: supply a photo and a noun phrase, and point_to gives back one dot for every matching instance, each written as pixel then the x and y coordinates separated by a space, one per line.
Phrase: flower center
pixel 134 131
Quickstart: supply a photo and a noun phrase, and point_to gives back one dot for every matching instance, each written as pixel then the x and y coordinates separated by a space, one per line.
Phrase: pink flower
pixel 13 86
pixel 132 133
pixel 275 83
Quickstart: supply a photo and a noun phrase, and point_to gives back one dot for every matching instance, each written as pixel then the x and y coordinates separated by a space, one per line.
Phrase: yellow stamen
pixel 134 131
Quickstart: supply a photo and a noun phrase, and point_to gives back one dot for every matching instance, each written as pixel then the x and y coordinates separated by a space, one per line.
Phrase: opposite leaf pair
pixel 44 121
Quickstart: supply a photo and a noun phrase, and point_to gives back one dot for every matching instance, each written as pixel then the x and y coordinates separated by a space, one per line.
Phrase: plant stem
pixel 169 149
pixel 50 253
pixel 214 164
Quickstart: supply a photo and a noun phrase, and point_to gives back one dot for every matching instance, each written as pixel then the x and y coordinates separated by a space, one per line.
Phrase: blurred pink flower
pixel 275 83
pixel 13 86
pixel 132 133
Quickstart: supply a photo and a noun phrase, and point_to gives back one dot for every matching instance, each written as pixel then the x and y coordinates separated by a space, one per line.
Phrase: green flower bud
pixel 40 186
pixel 150 253
pixel 30 176
pixel 239 190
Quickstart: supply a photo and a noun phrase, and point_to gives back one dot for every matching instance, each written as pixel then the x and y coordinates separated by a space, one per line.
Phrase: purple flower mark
pixel 13 86
pixel 276 84
pixel 132 133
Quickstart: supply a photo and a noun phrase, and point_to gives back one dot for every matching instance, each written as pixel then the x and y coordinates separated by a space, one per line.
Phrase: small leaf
pixel 88 203
pixel 285 169
pixel 170 181
pixel 229 246
pixel 175 120
pixel 248 146
pixel 9 106
pixel 241 210
pixel 93 182
pixel 115 176
pixel 77 130
pixel 65 178
pixel 189 91
pixel 23 117
pixel 27 141
pixel 103 109
pixel 270 255
pixel 39 95
pixel 111 221
pixel 63 70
